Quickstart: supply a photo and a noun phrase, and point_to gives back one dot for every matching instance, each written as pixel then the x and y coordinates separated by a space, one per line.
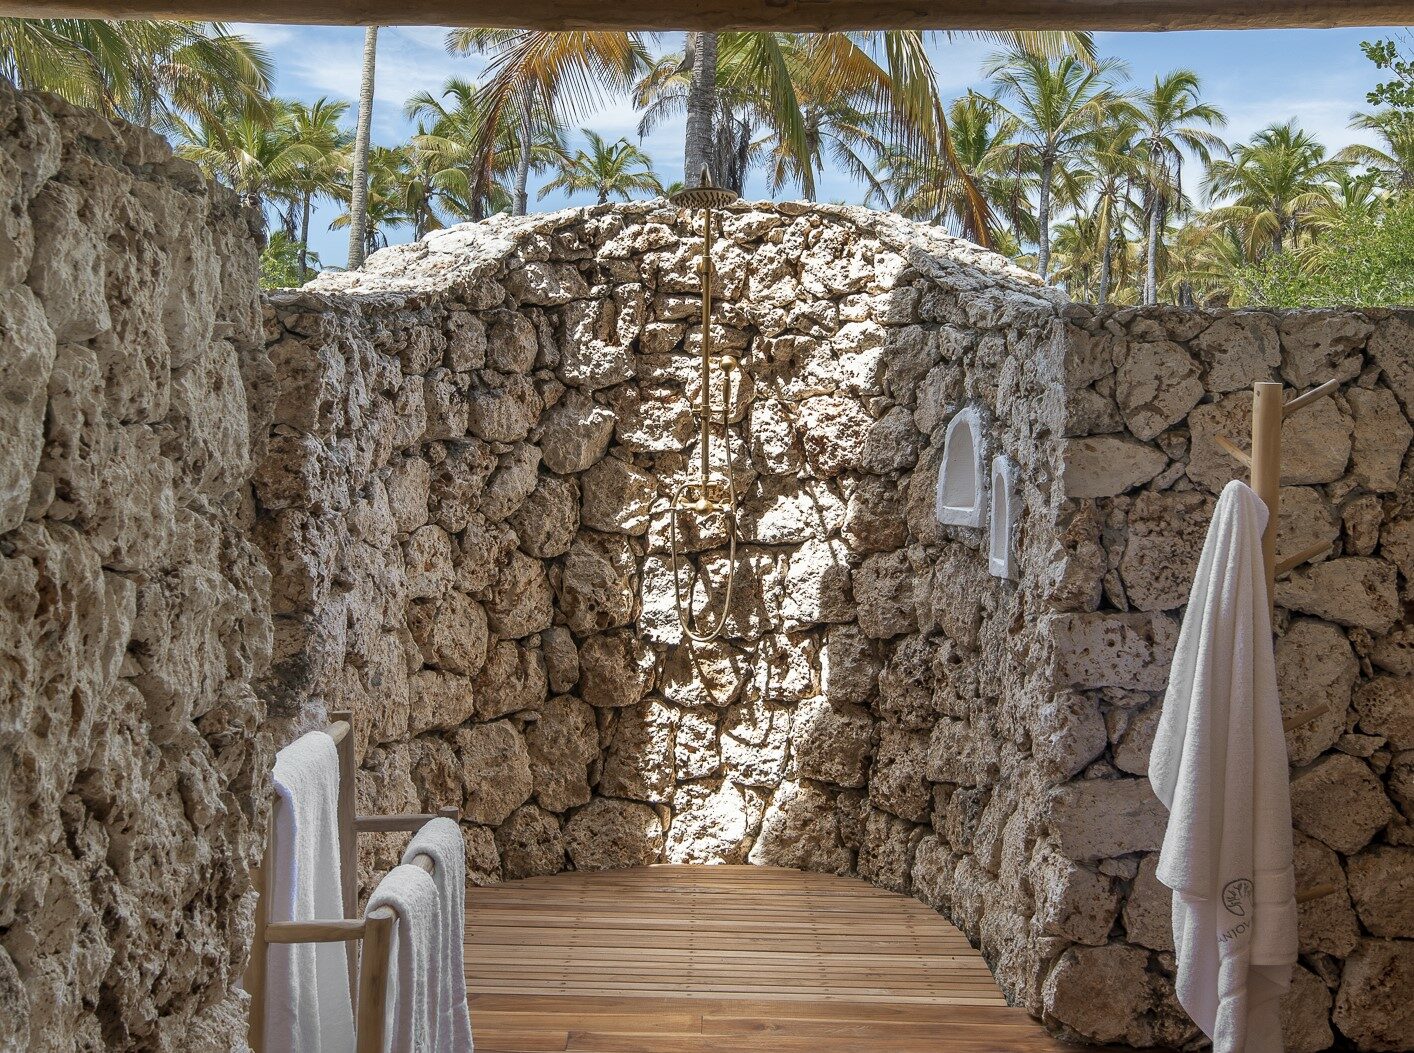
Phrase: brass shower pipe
pixel 705 495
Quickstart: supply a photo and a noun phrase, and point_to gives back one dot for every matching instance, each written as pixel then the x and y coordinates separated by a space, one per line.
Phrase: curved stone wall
pixel 456 466
pixel 500 513
pixel 494 420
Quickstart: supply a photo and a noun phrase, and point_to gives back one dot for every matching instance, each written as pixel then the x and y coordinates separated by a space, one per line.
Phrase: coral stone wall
pixel 133 613
pixel 456 466
pixel 1147 391
pixel 492 423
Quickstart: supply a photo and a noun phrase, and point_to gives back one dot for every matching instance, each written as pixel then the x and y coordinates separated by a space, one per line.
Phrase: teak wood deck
pixel 697 959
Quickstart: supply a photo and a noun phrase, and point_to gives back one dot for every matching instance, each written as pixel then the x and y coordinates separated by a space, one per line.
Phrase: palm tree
pixel 984 153
pixel 745 121
pixel 1056 104
pixel 1171 119
pixel 445 146
pixel 609 170
pixel 152 73
pixel 1395 162
pixel 554 74
pixel 386 202
pixel 1111 169
pixel 852 135
pixel 1272 183
pixel 701 128
pixel 358 191
pixel 316 128
pixel 262 160
pixel 1353 196
pixel 768 82
pixel 1204 262
pixel 1076 250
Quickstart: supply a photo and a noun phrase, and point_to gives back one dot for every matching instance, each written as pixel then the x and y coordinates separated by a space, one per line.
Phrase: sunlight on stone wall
pixel 456 466
pixel 134 612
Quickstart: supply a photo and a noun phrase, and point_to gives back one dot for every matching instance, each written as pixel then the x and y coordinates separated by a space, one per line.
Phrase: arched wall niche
pixel 962 481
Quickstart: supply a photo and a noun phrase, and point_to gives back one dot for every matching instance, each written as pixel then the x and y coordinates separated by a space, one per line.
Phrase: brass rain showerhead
pixel 704 197
pixel 704 194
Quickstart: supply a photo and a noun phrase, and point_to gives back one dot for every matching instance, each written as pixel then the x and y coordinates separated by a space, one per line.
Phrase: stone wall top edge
pixel 446 259
pixel 1126 314
pixel 143 153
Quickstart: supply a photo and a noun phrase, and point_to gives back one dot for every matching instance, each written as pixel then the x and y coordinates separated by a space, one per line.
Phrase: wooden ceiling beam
pixel 787 15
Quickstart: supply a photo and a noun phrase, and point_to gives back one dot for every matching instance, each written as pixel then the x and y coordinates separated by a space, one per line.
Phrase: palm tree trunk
pixel 1105 253
pixel 1151 254
pixel 304 238
pixel 1106 249
pixel 701 109
pixel 1043 218
pixel 521 201
pixel 358 199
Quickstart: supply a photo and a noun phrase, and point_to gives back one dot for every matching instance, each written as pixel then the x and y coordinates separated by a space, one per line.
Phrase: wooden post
pixel 373 981
pixel 1269 409
pixel 348 838
pixel 258 966
pixel 1267 414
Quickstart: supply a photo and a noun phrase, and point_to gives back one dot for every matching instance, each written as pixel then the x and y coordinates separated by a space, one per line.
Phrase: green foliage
pixel 1361 260
pixel 608 169
pixel 1061 163
pixel 155 73
pixel 280 263
pixel 1399 92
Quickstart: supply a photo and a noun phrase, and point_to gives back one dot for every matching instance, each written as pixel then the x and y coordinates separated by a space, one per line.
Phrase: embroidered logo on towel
pixel 1237 896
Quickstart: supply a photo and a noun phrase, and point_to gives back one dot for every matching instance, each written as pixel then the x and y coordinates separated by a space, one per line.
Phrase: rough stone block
pixel 1105 649
pixel 1098 818
pixel 1338 800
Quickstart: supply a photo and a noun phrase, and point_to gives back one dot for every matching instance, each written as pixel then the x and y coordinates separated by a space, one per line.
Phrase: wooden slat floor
pixel 696 959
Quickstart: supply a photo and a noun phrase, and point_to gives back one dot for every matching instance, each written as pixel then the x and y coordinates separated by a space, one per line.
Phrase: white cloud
pixel 329 61
pixel 272 36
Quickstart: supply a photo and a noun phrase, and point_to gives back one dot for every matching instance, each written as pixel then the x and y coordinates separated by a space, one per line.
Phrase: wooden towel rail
pixel 368 985
pixel 1269 409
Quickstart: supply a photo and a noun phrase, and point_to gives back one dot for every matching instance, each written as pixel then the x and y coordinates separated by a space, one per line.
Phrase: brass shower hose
pixel 704 495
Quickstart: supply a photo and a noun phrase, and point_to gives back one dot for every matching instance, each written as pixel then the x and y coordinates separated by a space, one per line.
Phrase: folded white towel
pixel 1219 764
pixel 441 839
pixel 420 952
pixel 308 1009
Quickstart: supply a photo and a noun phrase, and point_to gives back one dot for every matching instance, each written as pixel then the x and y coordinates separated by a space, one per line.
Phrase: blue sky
pixel 1257 77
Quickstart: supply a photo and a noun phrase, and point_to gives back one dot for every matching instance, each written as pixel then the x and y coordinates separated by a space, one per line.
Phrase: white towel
pixel 1219 765
pixel 418 953
pixel 441 839
pixel 308 1009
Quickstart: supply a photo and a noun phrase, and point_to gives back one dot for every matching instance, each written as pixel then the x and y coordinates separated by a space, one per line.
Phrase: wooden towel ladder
pixel 368 985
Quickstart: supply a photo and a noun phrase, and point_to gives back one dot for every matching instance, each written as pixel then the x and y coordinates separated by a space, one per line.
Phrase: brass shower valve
pixel 713 497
